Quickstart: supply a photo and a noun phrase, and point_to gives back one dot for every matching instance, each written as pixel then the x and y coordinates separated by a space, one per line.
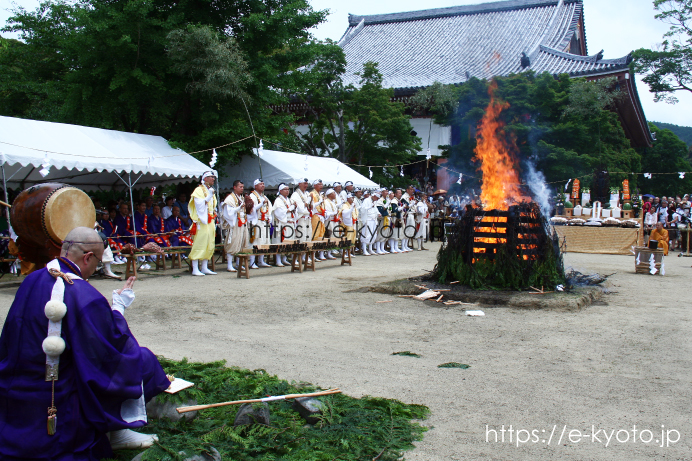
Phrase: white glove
pixel 211 194
pixel 122 301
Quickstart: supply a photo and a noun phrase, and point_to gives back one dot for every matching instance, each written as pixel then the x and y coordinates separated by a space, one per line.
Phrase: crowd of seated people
pixel 664 217
pixel 165 224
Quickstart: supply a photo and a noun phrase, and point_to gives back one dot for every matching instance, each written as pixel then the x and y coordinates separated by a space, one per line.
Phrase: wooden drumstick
pixel 266 399
pixel 6 204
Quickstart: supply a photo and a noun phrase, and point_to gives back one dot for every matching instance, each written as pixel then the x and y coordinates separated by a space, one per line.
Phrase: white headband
pixel 331 191
pixel 349 183
pixel 317 181
pixel 206 175
pixel 336 184
pixel 282 187
pixel 257 181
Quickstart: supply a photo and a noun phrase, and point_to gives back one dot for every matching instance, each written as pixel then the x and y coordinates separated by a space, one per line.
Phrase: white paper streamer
pixel 260 151
pixel 459 180
pixel 428 155
pixel 401 173
pixel 370 171
pixel 647 175
pixel 213 158
pixel 46 167
pixel 681 174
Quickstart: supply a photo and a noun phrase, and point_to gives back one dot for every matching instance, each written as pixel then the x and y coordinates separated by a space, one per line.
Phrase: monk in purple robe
pixel 181 236
pixel 65 349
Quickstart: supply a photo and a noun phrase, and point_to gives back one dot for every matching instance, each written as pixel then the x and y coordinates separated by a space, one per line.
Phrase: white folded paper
pixel 178 385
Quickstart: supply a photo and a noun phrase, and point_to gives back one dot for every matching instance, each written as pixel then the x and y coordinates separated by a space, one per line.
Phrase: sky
pixel 615 26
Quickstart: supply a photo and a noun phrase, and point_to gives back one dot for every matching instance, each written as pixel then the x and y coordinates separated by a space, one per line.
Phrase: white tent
pixel 289 168
pixel 89 158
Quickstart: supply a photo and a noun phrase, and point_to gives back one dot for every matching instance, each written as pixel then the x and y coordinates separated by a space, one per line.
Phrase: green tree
pixel 355 124
pixel 563 125
pixel 669 68
pixel 181 69
pixel 668 155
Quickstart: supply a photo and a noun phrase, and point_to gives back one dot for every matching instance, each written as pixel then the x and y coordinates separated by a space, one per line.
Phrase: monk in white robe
pixel 202 208
pixel 259 222
pixel 284 211
pixel 234 223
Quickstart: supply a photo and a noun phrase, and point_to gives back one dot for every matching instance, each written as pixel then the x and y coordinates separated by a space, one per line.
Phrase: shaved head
pixel 84 247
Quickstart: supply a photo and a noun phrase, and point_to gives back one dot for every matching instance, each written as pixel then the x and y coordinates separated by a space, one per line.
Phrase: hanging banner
pixel 626 189
pixel 575 189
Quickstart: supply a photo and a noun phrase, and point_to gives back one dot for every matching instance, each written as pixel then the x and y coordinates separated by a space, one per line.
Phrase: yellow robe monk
pixel 317 215
pixel 203 241
pixel 661 235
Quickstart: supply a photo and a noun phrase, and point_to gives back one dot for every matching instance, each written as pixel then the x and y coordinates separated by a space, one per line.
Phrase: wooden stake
pixel 452 283
pixel 266 399
pixel 378 302
pixel 439 299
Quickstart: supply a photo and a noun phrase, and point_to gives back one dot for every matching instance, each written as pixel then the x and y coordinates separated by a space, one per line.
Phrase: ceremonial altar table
pixel 598 240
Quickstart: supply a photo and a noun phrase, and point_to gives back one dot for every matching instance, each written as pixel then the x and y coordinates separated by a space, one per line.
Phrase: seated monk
pixel 181 236
pixel 157 225
pixel 661 235
pixel 84 359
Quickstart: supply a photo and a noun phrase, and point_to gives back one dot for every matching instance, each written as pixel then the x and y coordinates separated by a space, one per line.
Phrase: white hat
pixel 330 191
pixel 258 181
pixel 317 181
pixel 282 187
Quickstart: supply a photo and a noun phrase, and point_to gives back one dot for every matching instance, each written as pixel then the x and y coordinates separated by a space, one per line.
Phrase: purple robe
pixel 124 231
pixel 141 223
pixel 102 367
pixel 178 239
pixel 157 226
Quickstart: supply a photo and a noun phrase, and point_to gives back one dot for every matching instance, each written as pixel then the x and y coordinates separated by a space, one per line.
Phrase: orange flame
pixel 500 179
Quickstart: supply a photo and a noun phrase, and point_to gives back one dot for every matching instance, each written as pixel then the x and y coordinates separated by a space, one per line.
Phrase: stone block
pixel 309 408
pixel 248 414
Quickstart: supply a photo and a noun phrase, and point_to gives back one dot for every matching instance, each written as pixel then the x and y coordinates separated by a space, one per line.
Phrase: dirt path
pixel 624 362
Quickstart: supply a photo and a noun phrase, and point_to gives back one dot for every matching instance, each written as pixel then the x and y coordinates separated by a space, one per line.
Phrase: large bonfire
pixel 505 242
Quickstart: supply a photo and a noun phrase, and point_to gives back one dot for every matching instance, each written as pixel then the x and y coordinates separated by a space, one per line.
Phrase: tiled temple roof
pixel 450 45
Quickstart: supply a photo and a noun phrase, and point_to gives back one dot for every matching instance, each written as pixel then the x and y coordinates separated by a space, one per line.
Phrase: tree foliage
pixel 668 155
pixel 355 124
pixel 181 69
pixel 668 68
pixel 563 125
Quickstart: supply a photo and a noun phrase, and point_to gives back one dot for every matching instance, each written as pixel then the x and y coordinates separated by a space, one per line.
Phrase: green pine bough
pixel 349 428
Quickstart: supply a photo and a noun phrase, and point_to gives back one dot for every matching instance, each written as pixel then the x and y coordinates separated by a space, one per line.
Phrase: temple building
pixel 451 45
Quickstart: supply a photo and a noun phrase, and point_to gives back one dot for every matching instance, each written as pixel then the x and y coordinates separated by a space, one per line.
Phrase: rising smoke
pixel 536 182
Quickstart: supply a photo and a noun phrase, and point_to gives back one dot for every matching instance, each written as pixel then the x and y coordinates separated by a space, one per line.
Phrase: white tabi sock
pixel 364 249
pixel 229 263
pixel 126 439
pixel 195 267
pixel 420 244
pixel 205 270
pixel 261 262
pixel 107 270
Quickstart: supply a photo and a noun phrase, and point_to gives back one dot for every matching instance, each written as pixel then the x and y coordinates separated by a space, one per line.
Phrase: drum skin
pixel 44 214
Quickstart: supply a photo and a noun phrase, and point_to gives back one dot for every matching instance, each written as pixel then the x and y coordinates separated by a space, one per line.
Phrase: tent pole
pixel 7 200
pixel 132 208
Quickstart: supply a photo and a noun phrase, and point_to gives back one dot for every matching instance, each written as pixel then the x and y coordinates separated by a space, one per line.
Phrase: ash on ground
pixel 577 279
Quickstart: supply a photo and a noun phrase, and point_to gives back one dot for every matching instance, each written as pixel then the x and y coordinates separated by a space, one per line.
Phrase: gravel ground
pixel 622 363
